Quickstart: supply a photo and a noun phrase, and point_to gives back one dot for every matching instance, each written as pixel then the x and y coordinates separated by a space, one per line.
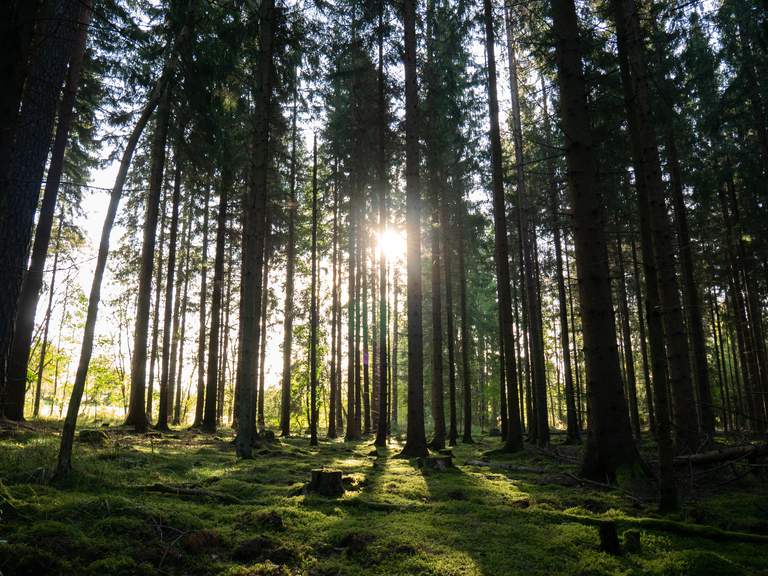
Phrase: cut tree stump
pixel 326 482
pixel 439 462
pixel 609 538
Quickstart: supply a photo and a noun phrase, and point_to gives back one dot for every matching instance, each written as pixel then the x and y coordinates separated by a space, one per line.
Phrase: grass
pixel 253 518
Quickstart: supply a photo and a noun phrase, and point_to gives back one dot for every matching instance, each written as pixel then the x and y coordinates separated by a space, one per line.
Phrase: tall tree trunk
pixel 514 437
pixel 200 397
pixel 313 317
pixel 416 441
pixel 174 363
pixel 609 442
pixel 335 367
pixel 466 368
pixel 254 231
pixel 33 279
pixel 156 316
pixel 264 315
pixel 363 267
pixel 648 169
pixel 290 257
pixel 438 407
pixel 137 414
pixel 351 307
pixel 44 345
pixel 528 239
pixel 211 390
pixel 64 462
pixel 382 429
pixel 183 331
pixel 641 335
pixel 395 338
pixel 449 320
pixel 626 336
pixel 21 171
pixel 225 345
pixel 166 380
pixel 573 434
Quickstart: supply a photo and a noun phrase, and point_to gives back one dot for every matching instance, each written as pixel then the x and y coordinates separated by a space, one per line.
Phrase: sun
pixel 391 244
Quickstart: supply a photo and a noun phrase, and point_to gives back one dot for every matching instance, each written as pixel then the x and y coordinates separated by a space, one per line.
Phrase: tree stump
pixel 494 432
pixel 92 436
pixel 609 538
pixel 632 541
pixel 440 462
pixel 326 482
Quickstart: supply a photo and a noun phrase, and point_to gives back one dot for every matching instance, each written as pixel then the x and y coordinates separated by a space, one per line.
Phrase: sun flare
pixel 391 244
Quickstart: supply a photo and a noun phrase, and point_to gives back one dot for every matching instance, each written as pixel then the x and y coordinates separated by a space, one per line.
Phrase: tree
pixel 609 444
pixel 313 317
pixel 416 441
pixel 514 436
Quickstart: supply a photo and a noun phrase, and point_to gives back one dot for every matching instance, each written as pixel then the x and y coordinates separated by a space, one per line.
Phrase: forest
pixel 410 287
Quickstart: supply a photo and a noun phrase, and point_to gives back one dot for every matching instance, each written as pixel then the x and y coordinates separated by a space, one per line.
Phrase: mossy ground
pixel 394 518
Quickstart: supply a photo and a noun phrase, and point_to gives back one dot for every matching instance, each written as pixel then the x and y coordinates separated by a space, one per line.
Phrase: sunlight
pixel 391 244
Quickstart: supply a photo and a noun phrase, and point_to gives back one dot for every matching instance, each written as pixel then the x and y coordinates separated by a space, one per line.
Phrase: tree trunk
pixel 313 317
pixel 21 171
pixel 254 232
pixel 626 336
pixel 264 314
pixel 165 373
pixel 641 335
pixel 466 369
pixel 290 258
pixel 64 463
pixel 416 441
pixel 44 345
pixel 449 320
pixel 609 442
pixel 182 333
pixel 156 316
pixel 538 370
pixel 33 279
pixel 573 434
pixel 382 429
pixel 514 437
pixel 200 396
pixel 137 415
pixel 213 376
pixel 335 316
pixel 651 192
pixel 438 407
pixel 174 363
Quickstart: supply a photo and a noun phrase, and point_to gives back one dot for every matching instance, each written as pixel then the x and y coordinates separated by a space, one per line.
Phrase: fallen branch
pixel 663 525
pixel 714 456
pixel 504 466
pixel 186 491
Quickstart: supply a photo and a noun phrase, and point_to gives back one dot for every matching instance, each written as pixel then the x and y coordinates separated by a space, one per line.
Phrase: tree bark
pixel 166 380
pixel 64 462
pixel 254 232
pixel 648 170
pixel 416 441
pixel 313 317
pixel 33 279
pixel 609 442
pixel 137 414
pixel 514 437
pixel 21 171
pixel 290 258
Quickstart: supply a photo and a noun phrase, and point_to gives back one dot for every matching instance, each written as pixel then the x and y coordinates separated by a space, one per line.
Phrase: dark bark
pixel 290 258
pixel 313 316
pixel 514 437
pixel 626 336
pixel 33 279
pixel 438 407
pixel 137 414
pixel 637 100
pixel 264 314
pixel 156 307
pixel 64 462
pixel 166 379
pixel 201 366
pixel 213 376
pixel 416 441
pixel 609 443
pixel 528 240
pixel 254 232
pixel 21 173
pixel 641 335
pixel 466 369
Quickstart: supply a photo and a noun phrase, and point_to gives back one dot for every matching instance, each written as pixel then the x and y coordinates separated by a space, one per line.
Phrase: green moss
pixel 695 563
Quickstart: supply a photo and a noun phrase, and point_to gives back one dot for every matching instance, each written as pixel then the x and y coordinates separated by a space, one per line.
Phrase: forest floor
pixel 181 503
